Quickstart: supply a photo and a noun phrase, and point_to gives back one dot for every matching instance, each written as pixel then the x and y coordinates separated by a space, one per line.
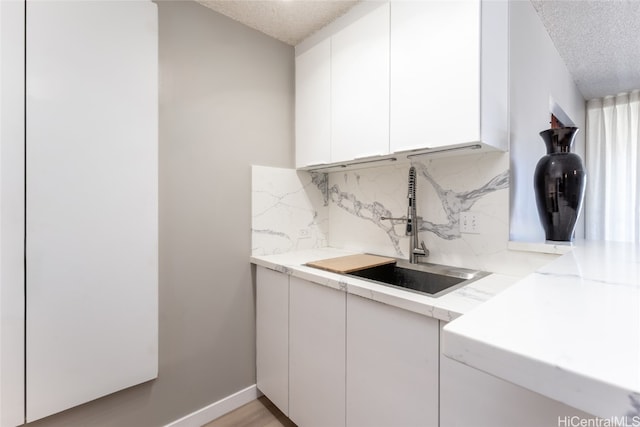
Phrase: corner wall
pixel 226 102
pixel 539 78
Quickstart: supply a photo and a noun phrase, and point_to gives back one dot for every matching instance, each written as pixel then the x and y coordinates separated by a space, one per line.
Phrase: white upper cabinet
pixel 448 74
pixel 405 76
pixel 313 105
pixel 435 78
pixel 360 88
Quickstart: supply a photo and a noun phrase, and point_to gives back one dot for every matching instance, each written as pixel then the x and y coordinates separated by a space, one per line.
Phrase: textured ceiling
pixel 598 40
pixel 290 21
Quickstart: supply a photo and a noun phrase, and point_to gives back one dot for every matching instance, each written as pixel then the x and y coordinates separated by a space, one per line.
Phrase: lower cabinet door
pixel 392 366
pixel 272 336
pixel 316 355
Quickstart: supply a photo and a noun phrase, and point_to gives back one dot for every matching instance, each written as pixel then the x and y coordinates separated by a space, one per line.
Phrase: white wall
pixel 11 213
pixel 539 78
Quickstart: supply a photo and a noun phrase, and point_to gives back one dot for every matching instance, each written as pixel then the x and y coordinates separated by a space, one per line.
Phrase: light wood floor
pixel 258 413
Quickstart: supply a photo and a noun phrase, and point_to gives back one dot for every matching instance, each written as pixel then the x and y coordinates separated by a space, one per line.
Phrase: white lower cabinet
pixel 331 359
pixel 272 336
pixel 470 397
pixel 327 358
pixel 316 354
pixel 392 366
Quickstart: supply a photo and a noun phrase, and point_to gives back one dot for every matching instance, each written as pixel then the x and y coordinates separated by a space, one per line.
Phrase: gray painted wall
pixel 226 102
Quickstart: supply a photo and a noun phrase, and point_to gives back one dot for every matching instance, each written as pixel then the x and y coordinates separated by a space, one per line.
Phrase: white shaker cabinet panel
pixel 272 336
pixel 316 355
pixel 313 105
pixel 360 88
pixel 92 204
pixel 392 366
pixel 435 73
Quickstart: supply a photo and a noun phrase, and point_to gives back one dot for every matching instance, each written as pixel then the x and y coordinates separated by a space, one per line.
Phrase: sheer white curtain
pixel 612 205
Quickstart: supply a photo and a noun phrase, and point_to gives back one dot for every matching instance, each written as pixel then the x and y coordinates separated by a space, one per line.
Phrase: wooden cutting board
pixel 350 263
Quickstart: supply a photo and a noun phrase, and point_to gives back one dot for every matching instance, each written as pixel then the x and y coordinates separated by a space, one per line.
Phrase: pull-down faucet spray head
pixel 411 209
pixel 412 183
pixel 417 248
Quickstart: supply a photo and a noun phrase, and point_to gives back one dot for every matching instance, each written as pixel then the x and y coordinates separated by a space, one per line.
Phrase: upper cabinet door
pixel 360 88
pixel 313 105
pixel 435 73
pixel 92 200
pixel 407 75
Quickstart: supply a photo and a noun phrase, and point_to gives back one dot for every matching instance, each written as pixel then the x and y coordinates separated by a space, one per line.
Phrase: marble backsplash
pixel 288 210
pixel 299 210
pixel 445 187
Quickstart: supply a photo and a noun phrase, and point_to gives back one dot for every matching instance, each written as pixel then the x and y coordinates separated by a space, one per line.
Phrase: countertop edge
pixel 558 363
pixel 591 395
pixel 446 307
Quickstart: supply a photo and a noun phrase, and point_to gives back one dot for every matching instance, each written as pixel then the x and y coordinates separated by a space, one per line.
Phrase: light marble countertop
pixel 446 307
pixel 569 331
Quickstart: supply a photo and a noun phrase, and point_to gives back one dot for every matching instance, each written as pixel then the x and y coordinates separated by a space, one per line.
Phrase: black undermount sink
pixel 431 279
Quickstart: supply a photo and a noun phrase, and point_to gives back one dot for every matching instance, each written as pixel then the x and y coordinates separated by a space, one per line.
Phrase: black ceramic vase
pixel 559 182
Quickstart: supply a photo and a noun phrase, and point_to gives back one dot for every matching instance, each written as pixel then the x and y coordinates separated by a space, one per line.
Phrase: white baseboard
pixel 217 409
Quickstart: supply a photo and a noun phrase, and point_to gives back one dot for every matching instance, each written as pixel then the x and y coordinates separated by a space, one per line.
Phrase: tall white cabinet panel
pixel 272 336
pixel 313 105
pixel 360 88
pixel 316 355
pixel 392 366
pixel 435 73
pixel 92 222
pixel 11 213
